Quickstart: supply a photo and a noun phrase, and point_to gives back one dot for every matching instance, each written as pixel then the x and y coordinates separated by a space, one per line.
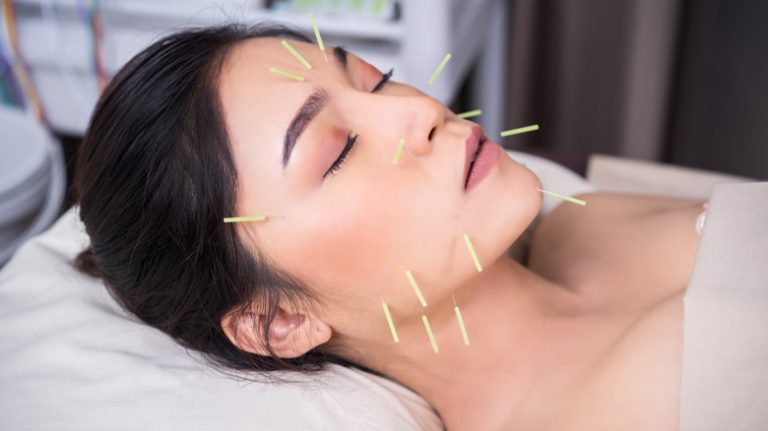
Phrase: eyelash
pixel 343 156
pixel 352 139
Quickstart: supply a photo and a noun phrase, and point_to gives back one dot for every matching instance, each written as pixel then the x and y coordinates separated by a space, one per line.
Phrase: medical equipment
pixel 390 322
pixel 519 130
pixel 295 53
pixel 439 69
pixel 416 288
pixel 563 197
pixel 317 36
pixel 399 151
pixel 244 219
pixel 32 179
pixel 432 340
pixel 470 114
pixel 461 321
pixel 286 74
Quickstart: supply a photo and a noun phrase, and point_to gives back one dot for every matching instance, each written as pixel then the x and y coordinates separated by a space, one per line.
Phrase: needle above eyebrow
pixel 317 35
pixel 309 110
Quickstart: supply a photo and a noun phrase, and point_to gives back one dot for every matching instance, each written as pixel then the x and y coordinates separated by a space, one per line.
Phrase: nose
pixel 416 118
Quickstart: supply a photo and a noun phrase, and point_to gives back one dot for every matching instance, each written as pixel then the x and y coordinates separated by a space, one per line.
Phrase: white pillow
pixel 72 359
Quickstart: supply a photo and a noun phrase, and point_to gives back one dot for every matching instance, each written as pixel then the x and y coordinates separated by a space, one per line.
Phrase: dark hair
pixel 155 179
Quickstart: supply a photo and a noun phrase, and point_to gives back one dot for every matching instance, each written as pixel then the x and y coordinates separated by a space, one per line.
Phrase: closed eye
pixel 352 139
pixel 383 81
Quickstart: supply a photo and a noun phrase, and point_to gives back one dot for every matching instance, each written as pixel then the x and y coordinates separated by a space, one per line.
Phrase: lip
pixel 487 157
pixel 471 146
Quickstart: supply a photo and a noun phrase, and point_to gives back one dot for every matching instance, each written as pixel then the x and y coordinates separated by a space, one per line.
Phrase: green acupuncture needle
pixel 472 252
pixel 461 321
pixel 399 151
pixel 286 74
pixel 439 68
pixel 296 54
pixel 519 130
pixel 390 321
pixel 244 219
pixel 416 288
pixel 470 114
pixel 564 197
pixel 317 35
pixel 429 332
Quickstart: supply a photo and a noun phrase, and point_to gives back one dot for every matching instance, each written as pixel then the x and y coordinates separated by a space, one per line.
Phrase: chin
pixel 503 206
pixel 510 205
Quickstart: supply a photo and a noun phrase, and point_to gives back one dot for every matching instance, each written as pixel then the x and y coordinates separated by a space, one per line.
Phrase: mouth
pixel 481 157
pixel 471 160
pixel 472 147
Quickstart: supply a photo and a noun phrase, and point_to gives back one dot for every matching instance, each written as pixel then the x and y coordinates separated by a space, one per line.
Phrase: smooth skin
pixel 535 333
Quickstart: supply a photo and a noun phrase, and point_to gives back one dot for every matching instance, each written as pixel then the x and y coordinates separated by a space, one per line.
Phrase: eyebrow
pixel 309 110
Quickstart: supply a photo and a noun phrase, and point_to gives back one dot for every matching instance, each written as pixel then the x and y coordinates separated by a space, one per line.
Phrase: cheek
pixel 340 244
pixel 358 240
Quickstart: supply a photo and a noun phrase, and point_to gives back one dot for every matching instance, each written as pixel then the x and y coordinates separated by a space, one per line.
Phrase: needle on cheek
pixel 399 151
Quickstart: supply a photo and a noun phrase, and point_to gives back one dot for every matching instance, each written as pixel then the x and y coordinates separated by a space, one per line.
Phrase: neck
pixel 510 349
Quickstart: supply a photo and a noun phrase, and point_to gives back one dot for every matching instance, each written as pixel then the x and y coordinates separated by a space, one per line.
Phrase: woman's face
pixel 350 234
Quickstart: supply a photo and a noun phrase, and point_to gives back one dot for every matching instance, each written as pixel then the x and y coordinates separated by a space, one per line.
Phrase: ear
pixel 291 334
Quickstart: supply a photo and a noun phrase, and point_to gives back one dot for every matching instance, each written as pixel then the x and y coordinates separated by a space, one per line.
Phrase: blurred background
pixel 670 81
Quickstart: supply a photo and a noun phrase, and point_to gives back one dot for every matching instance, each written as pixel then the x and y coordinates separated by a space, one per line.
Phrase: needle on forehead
pixel 439 68
pixel 296 54
pixel 317 36
pixel 286 74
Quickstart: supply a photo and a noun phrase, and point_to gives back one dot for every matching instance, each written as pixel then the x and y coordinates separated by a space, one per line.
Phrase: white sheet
pixel 72 359
pixel 724 383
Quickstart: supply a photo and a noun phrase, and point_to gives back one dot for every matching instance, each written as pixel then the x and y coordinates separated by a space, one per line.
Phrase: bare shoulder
pixel 628 248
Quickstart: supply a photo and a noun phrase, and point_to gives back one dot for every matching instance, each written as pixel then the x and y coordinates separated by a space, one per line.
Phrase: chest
pixel 635 384
pixel 627 379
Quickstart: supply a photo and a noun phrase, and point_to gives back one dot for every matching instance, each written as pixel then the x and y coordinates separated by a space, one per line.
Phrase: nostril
pixel 432 133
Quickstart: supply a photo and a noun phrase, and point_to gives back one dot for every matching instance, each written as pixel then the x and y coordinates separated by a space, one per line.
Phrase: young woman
pixel 196 128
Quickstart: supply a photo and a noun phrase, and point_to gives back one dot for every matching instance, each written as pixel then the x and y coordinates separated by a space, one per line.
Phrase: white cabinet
pixel 57 45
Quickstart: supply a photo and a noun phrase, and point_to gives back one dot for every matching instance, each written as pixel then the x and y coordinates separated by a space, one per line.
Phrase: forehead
pixel 258 104
pixel 247 87
pixel 245 77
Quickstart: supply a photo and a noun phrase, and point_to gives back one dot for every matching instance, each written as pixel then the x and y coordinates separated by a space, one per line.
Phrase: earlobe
pixel 292 335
